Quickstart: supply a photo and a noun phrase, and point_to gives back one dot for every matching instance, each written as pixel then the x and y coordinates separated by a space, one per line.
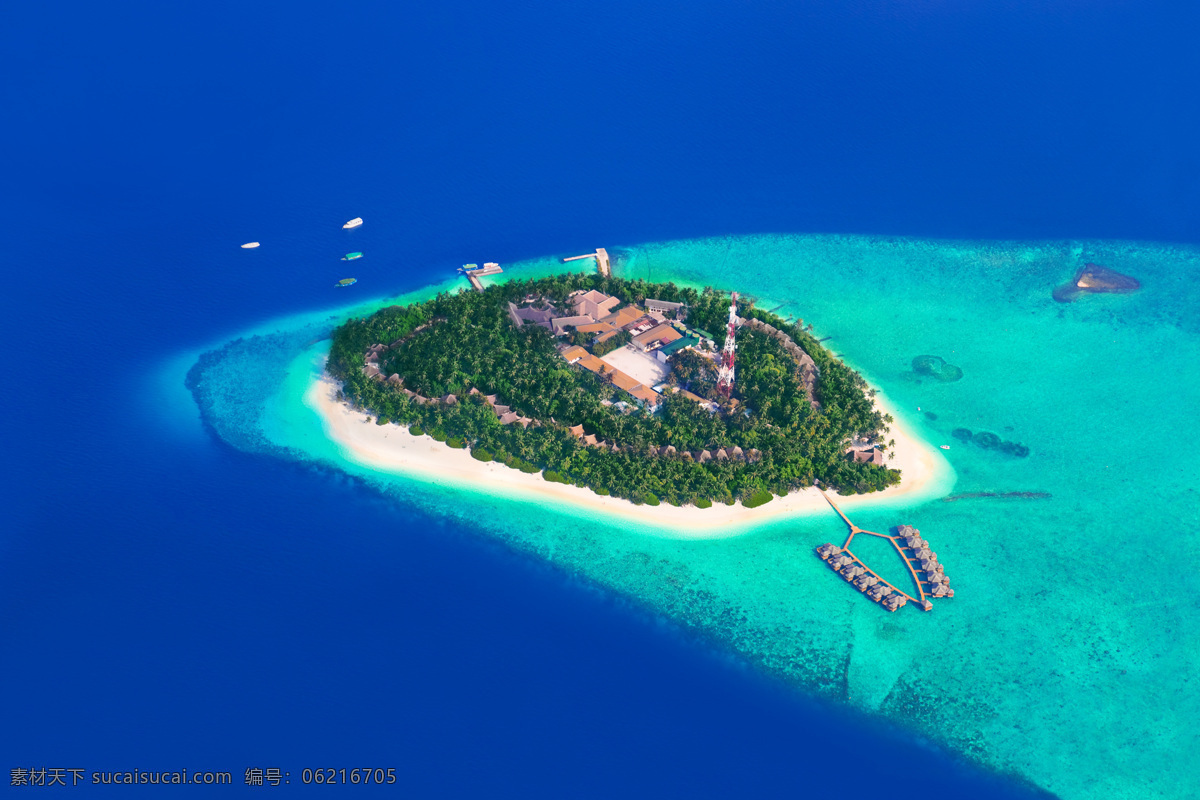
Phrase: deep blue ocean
pixel 168 602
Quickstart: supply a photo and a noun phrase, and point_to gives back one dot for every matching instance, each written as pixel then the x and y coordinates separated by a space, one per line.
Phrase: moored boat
pixel 249 245
pixel 354 223
pixel 345 282
pixel 351 256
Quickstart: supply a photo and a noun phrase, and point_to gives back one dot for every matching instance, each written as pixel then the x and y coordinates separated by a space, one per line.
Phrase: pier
pixel 474 272
pixel 915 552
pixel 603 264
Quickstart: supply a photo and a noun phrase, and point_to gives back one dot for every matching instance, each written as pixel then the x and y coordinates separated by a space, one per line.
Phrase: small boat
pixel 249 245
pixel 351 256
pixel 345 282
pixel 470 268
pixel 354 223
pixel 944 446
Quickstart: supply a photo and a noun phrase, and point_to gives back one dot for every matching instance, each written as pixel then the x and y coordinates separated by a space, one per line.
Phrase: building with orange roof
pixel 624 316
pixel 596 327
pixel 595 304
pixel 657 336
pixel 574 353
pixel 634 387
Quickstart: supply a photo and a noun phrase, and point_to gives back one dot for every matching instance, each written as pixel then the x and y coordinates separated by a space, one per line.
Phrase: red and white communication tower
pixel 729 353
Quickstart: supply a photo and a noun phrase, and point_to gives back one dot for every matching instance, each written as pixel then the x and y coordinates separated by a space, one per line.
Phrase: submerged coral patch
pixel 987 440
pixel 936 367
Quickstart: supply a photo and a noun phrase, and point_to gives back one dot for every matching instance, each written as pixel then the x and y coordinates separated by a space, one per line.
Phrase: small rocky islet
pixel 1095 279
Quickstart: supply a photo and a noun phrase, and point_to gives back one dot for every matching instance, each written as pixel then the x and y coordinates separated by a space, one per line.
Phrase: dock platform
pixel 474 273
pixel 915 552
pixel 603 264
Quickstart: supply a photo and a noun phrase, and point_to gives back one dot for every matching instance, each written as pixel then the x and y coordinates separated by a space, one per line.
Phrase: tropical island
pixel 617 386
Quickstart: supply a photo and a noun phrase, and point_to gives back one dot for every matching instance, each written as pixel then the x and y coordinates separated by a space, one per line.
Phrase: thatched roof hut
pixel 753 455
pixel 705 456
pixel 736 452
pixel 450 400
pixel 395 378
pixel 576 430
pixel 590 439
pixel 865 581
pixel 669 450
pixel 491 399
pixel 509 417
pixel 722 455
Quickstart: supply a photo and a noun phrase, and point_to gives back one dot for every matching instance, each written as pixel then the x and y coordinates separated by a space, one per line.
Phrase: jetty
pixel 927 573
pixel 603 264
pixel 474 272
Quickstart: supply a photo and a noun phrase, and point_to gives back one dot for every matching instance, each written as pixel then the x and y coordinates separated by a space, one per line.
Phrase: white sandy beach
pixel 392 449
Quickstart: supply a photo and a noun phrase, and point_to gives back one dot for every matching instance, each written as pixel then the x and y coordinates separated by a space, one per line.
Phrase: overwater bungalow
pixel 865 581
pixel 826 551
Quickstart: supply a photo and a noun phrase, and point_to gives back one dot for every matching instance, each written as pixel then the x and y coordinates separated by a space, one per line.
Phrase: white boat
pixel 249 245
pixel 354 223
pixel 944 446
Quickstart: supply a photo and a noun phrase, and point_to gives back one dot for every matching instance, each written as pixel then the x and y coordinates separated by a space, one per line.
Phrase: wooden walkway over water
pixel 473 275
pixel 602 261
pixel 843 559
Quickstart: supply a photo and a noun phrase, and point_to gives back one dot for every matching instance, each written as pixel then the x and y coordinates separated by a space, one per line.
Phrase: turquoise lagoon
pixel 1068 656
